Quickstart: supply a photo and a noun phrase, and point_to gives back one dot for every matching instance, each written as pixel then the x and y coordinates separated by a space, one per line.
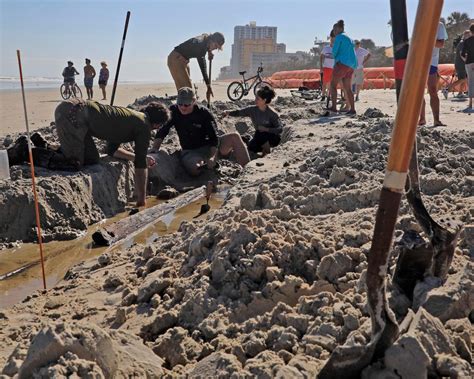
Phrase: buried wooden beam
pixel 349 361
pixel 137 222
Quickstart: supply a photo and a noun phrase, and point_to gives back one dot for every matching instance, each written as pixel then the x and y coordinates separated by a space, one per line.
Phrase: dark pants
pixel 73 132
pixel 260 139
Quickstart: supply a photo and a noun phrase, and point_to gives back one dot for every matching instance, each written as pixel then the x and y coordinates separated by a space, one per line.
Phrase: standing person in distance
pixel 467 54
pixel 441 37
pixel 345 63
pixel 196 47
pixel 103 78
pixel 362 55
pixel 89 75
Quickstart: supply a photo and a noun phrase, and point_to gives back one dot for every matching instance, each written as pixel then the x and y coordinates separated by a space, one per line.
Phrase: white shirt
pixel 328 58
pixel 442 34
pixel 361 53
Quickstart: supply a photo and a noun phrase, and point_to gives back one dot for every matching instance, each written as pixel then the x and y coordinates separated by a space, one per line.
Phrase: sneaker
pixel 445 93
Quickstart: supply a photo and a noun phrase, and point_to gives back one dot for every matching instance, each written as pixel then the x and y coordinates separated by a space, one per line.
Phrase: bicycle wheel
pixel 235 91
pixel 65 92
pixel 76 91
pixel 260 85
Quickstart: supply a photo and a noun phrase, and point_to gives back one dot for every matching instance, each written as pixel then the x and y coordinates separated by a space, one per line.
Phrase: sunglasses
pixel 185 105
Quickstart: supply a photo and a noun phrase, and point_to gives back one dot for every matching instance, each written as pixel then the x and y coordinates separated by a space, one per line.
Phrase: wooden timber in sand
pixel 137 222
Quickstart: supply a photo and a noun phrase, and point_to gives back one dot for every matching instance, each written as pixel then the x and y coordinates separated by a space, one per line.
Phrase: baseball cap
pixel 185 96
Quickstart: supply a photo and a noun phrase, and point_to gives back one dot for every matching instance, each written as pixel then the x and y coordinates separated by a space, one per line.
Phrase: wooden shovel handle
pixel 411 94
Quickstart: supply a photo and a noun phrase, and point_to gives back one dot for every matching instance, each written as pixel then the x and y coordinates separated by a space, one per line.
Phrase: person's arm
pixel 210 127
pixel 77 73
pixel 156 145
pixel 321 60
pixel 106 76
pixel 243 112
pixel 93 72
pixel 64 73
pixel 464 52
pixel 161 134
pixel 439 43
pixel 366 58
pixel 141 178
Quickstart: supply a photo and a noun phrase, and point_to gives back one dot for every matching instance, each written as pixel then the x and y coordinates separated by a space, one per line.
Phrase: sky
pixel 51 32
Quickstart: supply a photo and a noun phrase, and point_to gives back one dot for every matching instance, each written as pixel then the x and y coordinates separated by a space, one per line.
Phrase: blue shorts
pixel 433 70
pixel 88 82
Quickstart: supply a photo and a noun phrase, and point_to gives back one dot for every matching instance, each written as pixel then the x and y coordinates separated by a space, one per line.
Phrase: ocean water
pixel 13 83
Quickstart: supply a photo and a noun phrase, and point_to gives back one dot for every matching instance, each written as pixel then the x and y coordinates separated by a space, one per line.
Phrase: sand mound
pixel 270 284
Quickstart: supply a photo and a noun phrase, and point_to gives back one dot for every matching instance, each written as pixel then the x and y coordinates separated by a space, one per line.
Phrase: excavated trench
pixel 20 269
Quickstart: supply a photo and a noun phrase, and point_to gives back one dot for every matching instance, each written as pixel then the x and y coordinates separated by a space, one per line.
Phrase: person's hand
pixel 211 163
pixel 210 55
pixel 150 161
pixel 209 91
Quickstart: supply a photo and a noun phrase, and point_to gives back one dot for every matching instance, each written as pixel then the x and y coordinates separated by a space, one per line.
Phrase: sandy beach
pixel 41 104
pixel 267 284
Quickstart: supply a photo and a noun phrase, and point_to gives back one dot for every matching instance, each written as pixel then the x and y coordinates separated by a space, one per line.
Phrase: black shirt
pixel 196 47
pixel 195 130
pixel 468 50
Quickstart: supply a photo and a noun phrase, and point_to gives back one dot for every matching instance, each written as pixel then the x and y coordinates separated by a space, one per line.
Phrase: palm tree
pixel 457 18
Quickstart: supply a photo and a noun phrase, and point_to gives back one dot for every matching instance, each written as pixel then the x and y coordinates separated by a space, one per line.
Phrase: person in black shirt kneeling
pixel 197 133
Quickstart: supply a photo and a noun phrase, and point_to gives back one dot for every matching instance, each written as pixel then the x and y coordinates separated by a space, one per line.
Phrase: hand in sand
pixel 209 92
pixel 150 161
pixel 211 163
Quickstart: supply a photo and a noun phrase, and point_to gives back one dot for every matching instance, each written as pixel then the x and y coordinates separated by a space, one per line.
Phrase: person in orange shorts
pixel 326 63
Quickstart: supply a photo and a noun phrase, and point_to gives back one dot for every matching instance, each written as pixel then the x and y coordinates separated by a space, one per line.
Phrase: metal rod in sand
pixel 30 152
pixel 120 59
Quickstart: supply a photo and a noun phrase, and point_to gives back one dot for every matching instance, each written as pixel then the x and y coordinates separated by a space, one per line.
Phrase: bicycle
pixel 70 90
pixel 239 89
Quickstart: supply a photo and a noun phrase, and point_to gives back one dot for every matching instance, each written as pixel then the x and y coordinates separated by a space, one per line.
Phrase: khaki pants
pixel 179 69
pixel 73 132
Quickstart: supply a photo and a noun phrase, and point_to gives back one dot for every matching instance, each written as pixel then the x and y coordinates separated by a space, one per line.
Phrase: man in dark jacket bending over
pixel 196 47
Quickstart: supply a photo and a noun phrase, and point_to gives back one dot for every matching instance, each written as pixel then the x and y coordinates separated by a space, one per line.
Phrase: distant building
pixel 254 44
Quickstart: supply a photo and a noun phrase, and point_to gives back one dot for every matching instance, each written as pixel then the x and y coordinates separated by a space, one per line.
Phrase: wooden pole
pixel 30 152
pixel 120 58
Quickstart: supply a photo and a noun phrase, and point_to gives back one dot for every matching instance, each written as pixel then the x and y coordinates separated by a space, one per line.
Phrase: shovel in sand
pixel 442 240
pixel 206 207
pixel 349 361
pixel 208 95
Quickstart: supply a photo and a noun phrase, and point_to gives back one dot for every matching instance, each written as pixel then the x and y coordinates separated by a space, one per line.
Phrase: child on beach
pixel 326 64
pixel 267 122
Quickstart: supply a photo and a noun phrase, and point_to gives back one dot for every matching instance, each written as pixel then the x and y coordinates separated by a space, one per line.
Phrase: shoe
pixel 445 93
pixel 351 113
